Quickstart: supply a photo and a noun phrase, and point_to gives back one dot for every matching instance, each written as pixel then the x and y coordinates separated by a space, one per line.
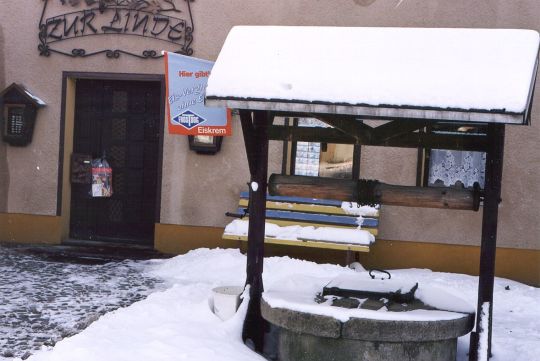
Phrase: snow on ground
pixel 43 301
pixel 177 324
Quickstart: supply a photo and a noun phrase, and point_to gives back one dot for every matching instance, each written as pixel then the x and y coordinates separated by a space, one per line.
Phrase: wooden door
pixel 118 119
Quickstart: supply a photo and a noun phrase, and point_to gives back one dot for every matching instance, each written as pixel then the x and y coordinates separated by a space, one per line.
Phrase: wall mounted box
pixel 19 110
pixel 205 144
pixel 81 168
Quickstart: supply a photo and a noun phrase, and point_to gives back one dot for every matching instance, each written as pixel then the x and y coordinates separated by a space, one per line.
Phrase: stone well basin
pixel 306 336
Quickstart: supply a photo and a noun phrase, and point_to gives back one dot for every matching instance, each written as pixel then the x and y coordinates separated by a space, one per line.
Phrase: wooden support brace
pixel 395 129
pixel 351 127
pixel 249 134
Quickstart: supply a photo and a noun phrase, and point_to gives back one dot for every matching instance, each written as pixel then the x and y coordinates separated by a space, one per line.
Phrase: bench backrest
pixel 287 211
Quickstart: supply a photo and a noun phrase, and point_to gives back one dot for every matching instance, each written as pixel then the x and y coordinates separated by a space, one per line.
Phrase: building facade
pixel 97 66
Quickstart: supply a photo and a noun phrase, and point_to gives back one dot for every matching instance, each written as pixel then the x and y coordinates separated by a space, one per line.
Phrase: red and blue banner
pixel 186 79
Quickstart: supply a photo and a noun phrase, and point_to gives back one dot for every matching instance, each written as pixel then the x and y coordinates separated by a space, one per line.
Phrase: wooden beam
pixel 254 324
pixel 373 192
pixel 409 140
pixel 396 128
pixel 352 127
pixel 438 141
pixel 488 247
pixel 309 134
pixel 297 109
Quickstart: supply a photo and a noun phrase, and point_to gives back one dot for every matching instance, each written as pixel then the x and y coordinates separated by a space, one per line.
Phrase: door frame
pixel 67 120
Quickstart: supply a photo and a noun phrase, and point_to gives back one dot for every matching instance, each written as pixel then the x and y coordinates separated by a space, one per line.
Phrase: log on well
pixel 374 192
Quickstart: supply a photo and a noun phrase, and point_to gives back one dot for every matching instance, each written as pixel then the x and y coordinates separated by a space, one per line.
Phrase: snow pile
pixel 297 293
pixel 487 69
pixel 443 300
pixel 354 282
pixel 483 352
pixel 298 233
pixel 338 235
pixel 357 210
pixel 178 324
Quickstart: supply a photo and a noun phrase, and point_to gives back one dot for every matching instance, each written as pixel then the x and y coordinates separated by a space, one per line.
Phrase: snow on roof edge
pixel 38 100
pixel 246 78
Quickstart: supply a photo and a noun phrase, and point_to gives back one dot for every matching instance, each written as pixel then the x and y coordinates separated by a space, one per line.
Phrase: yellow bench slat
pixel 305 243
pixel 300 207
pixel 285 223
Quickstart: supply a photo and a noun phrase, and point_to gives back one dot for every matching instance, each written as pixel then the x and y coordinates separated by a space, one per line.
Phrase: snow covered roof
pixel 479 75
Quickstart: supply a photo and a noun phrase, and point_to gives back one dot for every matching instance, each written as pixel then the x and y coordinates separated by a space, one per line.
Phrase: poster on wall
pixel 186 79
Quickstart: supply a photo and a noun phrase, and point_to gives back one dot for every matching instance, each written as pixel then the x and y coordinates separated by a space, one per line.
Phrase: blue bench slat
pixel 322 202
pixel 317 218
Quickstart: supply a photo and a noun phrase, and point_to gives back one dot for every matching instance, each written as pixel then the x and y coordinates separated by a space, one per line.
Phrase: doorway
pixel 120 121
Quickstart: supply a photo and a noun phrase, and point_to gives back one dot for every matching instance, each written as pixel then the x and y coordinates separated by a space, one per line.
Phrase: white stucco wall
pixel 198 190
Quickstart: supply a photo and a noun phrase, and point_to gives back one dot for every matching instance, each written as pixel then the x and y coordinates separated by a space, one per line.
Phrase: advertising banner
pixel 186 79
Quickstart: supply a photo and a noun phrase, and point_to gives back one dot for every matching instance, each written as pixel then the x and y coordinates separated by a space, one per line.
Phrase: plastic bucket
pixel 226 301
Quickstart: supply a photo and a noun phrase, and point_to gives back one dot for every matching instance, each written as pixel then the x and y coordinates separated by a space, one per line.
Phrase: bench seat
pixel 307 222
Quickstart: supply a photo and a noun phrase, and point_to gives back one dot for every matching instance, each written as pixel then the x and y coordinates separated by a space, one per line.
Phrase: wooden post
pixel 294 146
pixel 285 151
pixel 357 155
pixel 480 340
pixel 256 140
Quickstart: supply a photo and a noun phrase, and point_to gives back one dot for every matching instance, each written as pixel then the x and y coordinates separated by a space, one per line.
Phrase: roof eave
pixel 31 98
pixel 372 112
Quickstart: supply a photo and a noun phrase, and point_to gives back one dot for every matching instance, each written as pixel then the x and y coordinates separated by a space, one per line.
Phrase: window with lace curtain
pixel 454 167
pixel 448 168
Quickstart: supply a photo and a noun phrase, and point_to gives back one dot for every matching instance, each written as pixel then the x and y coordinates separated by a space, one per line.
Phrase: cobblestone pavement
pixel 43 300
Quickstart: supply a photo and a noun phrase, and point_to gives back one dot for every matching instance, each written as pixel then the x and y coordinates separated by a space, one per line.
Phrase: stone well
pixel 310 337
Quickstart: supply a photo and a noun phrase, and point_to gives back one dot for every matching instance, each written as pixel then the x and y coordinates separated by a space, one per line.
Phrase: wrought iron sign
pixel 162 20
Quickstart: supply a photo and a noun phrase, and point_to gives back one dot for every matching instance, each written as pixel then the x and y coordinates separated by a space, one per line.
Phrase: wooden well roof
pixel 456 75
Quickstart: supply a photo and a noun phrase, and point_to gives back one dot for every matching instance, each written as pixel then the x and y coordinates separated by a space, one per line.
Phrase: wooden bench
pixel 307 217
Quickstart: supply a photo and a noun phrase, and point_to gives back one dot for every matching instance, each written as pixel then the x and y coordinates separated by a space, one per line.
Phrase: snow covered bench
pixel 308 222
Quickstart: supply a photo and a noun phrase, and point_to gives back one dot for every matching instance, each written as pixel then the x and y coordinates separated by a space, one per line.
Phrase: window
pixel 307 158
pixel 454 168
pixel 322 159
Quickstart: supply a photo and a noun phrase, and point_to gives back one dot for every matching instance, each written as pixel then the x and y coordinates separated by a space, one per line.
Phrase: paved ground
pixel 47 294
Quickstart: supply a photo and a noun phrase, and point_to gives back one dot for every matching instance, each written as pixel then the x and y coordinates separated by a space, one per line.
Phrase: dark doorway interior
pixel 121 120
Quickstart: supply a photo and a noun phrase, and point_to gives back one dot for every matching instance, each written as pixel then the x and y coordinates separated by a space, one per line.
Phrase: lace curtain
pixel 450 166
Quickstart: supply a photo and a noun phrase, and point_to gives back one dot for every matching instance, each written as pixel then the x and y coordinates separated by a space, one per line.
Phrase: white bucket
pixel 226 301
